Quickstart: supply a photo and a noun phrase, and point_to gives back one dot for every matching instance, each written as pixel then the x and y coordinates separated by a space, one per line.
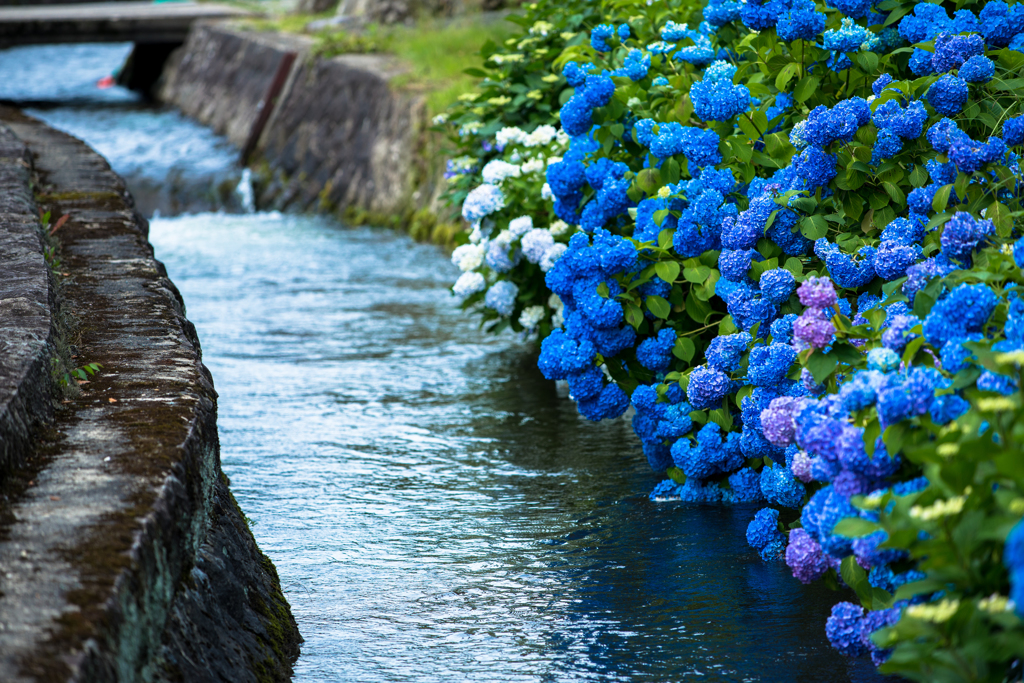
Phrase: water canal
pixel 436 510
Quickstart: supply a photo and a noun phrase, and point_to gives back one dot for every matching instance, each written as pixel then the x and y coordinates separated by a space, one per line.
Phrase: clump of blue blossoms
pixel 802 274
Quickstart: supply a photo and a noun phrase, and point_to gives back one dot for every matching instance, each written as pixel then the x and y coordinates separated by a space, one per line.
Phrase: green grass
pixel 438 52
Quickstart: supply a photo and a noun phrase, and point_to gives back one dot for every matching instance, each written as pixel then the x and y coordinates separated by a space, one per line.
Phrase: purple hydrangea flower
pixel 817 292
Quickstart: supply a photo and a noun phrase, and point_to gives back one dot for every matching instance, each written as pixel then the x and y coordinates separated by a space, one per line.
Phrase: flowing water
pixel 437 511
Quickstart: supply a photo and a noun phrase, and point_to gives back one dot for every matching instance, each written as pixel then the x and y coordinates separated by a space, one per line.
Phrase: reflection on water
pixel 172 165
pixel 437 512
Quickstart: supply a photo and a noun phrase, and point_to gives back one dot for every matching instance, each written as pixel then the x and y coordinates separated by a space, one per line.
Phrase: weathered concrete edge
pixel 341 138
pixel 146 569
pixel 26 332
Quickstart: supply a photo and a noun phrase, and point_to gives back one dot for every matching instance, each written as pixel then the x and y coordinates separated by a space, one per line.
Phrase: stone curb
pixel 25 311
pixel 340 135
pixel 128 559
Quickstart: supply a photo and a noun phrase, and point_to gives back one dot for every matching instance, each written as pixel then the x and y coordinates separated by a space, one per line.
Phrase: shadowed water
pixel 436 510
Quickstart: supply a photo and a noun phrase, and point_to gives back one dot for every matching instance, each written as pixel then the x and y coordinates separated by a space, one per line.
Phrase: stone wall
pixel 26 345
pixel 124 555
pixel 340 135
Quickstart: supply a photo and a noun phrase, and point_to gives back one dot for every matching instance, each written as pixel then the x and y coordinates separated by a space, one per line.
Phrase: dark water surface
pixel 436 510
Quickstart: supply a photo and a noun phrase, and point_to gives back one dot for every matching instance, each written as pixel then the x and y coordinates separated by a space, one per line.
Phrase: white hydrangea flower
pixel 541 28
pixel 531 317
pixel 533 166
pixel 470 128
pixel 468 257
pixel 541 135
pixel 508 135
pixel 546 194
pixel 505 238
pixel 536 244
pixel 562 138
pixel 520 226
pixel 552 255
pixel 554 303
pixel 497 170
pixel 553 160
pixel 439 119
pixel 469 284
pixel 559 228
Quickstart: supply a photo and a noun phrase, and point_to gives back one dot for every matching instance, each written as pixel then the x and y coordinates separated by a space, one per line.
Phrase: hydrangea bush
pixel 791 245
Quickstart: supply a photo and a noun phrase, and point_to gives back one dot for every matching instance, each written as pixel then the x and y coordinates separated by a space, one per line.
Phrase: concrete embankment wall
pixel 124 556
pixel 338 135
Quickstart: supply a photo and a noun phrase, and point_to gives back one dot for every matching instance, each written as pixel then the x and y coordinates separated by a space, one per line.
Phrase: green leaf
pixel 649 180
pixel 665 238
pixel 867 61
pixel 941 199
pixel 785 75
pixel 820 365
pixel 919 176
pixel 667 270
pixel 658 306
pixel 1000 215
pixel 748 127
pixel 871 433
pixel 696 275
pixel 856 578
pixel 794 265
pixel 814 227
pixel 660 216
pixel 698 310
pixel 722 418
pixel 684 349
pixel 895 193
pixel 676 475
pixel 855 527
pixel 805 88
pixel 894 437
pixel 634 316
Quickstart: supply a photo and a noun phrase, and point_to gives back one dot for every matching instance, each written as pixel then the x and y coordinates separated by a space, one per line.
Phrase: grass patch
pixel 438 52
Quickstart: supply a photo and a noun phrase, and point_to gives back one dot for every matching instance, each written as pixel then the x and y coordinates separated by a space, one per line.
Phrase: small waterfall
pixel 245 193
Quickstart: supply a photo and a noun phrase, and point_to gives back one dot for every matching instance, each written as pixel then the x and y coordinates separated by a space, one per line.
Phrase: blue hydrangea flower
pixel 800 21
pixel 482 201
pixel 725 352
pixel 599 37
pixel 948 95
pixel 770 364
pixel 718 13
pixel 707 387
pixel 977 69
pixel 1013 131
pixel 962 234
pixel 655 353
pixel 777 285
pixel 843 629
pixel 780 487
pixel 951 51
pixel 716 98
pixel 502 297
pixel 763 530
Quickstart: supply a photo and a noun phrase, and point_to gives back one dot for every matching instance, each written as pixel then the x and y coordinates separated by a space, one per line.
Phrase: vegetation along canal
pixel 436 509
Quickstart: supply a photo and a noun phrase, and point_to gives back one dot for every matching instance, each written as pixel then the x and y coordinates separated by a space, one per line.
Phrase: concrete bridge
pixel 155 28
pixel 106 22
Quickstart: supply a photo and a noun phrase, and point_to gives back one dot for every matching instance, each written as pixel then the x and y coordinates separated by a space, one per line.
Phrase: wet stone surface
pixel 25 311
pixel 128 544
